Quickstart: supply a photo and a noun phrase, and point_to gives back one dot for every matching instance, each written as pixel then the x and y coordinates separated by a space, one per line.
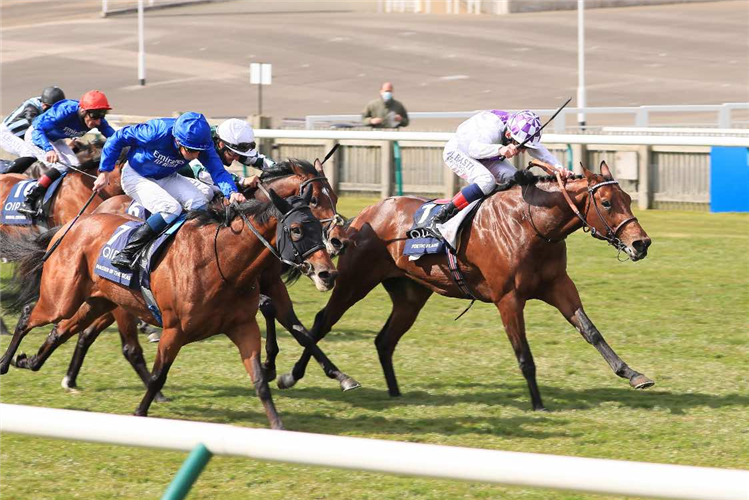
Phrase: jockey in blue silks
pixel 46 138
pixel 158 149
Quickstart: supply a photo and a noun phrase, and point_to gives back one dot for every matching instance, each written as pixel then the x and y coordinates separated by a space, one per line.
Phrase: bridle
pixel 328 223
pixel 612 234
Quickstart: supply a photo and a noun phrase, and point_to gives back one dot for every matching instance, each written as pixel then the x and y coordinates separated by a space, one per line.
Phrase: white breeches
pixel 167 196
pixel 10 142
pixel 67 156
pixel 473 171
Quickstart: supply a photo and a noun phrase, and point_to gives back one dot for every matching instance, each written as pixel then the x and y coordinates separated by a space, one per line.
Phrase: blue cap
pixel 192 131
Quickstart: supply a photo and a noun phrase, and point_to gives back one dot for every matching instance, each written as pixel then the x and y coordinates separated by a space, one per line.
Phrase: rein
pixel 611 236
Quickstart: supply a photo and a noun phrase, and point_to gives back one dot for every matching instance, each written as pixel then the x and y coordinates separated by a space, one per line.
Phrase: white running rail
pixel 613 477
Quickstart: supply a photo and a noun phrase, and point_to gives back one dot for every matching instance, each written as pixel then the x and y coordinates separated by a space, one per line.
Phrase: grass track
pixel 681 317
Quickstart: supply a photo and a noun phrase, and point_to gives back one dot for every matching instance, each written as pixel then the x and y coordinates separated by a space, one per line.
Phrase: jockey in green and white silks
pixel 234 140
pixel 158 149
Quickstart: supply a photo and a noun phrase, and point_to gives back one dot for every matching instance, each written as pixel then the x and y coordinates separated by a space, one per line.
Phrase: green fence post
pixel 570 163
pixel 398 171
pixel 188 473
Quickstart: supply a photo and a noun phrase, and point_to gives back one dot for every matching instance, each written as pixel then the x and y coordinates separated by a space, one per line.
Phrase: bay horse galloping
pixel 293 177
pixel 197 288
pixel 513 251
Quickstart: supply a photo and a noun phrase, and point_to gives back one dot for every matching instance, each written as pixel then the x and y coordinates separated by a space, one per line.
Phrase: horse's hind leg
pixel 510 308
pixel 88 312
pixel 22 328
pixel 169 347
pixel 247 339
pixel 562 294
pixel 127 325
pixel 85 339
pixel 408 299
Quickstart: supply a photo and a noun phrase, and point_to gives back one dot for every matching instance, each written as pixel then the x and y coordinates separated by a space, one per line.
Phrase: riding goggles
pixel 242 148
pixel 96 114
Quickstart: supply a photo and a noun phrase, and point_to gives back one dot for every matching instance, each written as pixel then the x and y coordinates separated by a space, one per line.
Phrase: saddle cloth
pixel 422 240
pixel 146 260
pixel 17 196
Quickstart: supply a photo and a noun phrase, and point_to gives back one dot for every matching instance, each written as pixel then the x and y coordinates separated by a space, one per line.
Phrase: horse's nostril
pixel 328 276
pixel 641 246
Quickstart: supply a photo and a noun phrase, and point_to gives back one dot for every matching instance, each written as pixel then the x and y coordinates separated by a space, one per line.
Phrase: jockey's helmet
pixel 94 99
pixel 192 131
pixel 525 124
pixel 237 135
pixel 51 95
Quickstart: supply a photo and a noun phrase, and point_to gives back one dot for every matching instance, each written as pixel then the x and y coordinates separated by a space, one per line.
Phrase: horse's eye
pixel 313 201
pixel 296 231
pixel 606 204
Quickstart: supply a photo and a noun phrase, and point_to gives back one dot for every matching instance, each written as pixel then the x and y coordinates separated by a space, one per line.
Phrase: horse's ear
pixel 606 172
pixel 278 202
pixel 307 197
pixel 318 167
pixel 587 173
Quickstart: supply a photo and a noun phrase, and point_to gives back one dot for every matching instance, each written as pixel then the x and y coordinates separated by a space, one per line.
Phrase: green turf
pixel 680 316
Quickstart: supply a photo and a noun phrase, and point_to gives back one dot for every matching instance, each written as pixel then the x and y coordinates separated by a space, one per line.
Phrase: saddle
pixel 140 277
pixel 10 214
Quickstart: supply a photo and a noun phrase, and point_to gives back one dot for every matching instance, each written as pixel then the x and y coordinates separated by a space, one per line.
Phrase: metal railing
pixel 641 115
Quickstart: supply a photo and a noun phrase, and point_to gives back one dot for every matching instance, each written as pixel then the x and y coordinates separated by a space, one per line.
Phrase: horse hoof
pixel 20 361
pixel 270 374
pixel 348 384
pixel 541 409
pixel 286 381
pixel 160 398
pixel 154 337
pixel 641 382
pixel 67 385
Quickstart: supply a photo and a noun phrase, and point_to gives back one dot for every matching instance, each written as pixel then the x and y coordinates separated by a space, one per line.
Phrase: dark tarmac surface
pixel 331 57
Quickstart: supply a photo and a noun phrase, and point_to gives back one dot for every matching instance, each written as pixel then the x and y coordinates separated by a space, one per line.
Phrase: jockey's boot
pixel 19 165
pixel 29 205
pixel 138 239
pixel 446 213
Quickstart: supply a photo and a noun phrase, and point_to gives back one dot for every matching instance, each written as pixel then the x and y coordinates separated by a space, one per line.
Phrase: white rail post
pixel 141 46
pixel 581 62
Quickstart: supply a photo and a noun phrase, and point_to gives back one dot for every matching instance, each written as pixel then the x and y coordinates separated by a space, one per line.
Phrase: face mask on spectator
pixel 386 96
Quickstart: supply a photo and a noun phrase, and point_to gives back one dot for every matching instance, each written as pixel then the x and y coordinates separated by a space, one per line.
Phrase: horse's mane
pixel 259 210
pixel 284 169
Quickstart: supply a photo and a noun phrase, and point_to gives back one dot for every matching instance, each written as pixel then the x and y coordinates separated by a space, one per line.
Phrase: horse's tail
pixel 27 251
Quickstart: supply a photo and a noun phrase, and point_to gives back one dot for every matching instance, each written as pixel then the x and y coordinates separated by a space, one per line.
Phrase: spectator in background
pixel 385 112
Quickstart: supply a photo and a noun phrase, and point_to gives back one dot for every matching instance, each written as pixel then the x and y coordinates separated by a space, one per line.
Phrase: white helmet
pixel 237 135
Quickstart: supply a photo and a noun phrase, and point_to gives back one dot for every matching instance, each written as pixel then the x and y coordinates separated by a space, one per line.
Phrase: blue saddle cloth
pixel 17 196
pixel 421 240
pixel 138 211
pixel 146 261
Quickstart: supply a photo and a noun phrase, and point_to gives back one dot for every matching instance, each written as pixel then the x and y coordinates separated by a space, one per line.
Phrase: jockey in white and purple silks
pixel 479 150
pixel 158 149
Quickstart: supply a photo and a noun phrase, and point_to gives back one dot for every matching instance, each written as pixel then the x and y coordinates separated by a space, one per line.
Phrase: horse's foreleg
pixel 247 339
pixel 408 299
pixel 169 347
pixel 271 342
pixel 510 308
pixel 563 295
pixel 351 287
pixel 85 339
pixel 284 309
pixel 127 325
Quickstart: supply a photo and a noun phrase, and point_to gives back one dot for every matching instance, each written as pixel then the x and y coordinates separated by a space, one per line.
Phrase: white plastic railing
pixel 641 114
pixel 632 140
pixel 445 462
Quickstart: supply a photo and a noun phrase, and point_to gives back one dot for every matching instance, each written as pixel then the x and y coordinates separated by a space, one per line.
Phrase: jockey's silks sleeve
pixel 221 178
pixel 61 121
pixel 154 153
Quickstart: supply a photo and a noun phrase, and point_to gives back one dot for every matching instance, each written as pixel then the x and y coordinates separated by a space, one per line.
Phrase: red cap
pixel 93 99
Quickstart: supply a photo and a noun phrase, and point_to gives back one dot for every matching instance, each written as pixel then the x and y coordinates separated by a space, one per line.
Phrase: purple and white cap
pixel 525 124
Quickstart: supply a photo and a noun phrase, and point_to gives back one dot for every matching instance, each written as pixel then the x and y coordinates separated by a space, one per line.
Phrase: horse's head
pixel 299 240
pixel 300 177
pixel 611 215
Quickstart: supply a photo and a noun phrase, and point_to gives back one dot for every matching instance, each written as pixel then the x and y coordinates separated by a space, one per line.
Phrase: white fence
pixel 723 115
pixel 445 462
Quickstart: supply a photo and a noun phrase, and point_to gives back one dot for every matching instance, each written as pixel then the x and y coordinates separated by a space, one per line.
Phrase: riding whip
pixel 49 252
pixel 330 153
